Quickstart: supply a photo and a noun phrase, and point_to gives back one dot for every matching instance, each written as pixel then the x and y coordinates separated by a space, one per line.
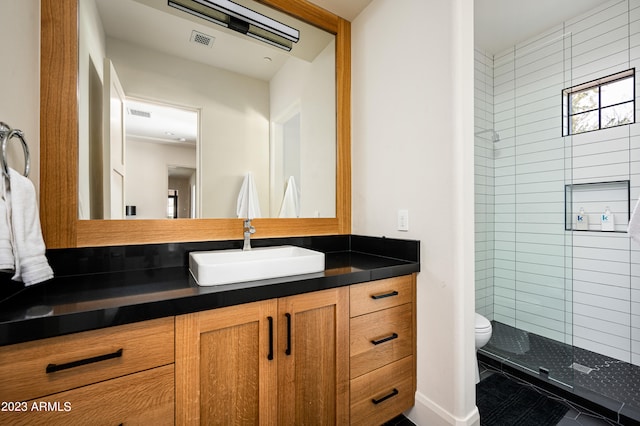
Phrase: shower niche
pixel 585 204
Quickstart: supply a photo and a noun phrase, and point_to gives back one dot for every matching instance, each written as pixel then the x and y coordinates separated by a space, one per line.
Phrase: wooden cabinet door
pixel 226 371
pixel 313 358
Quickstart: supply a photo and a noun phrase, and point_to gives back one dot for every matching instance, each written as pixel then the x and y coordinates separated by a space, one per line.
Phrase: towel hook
pixel 7 133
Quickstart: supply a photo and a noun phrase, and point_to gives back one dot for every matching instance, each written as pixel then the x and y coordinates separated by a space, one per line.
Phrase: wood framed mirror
pixel 59 146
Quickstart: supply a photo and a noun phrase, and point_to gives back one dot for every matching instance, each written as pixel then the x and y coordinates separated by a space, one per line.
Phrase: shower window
pixel 600 104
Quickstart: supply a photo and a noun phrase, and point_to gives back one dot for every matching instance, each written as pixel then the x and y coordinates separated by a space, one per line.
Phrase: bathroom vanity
pixel 124 334
pixel 149 345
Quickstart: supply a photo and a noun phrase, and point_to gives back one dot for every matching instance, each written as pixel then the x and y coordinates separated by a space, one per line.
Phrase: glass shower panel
pixel 531 274
pixel 484 139
pixel 540 246
pixel 566 374
pixel 504 217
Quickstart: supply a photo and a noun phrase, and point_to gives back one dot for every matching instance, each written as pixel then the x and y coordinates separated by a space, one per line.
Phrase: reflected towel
pixel 248 206
pixel 634 223
pixel 31 265
pixel 291 200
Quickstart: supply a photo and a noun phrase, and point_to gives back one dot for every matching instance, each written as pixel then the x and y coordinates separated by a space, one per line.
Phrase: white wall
pixel 20 80
pixel 413 149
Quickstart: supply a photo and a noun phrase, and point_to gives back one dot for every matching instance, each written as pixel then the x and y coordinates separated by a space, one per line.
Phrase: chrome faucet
pixel 248 230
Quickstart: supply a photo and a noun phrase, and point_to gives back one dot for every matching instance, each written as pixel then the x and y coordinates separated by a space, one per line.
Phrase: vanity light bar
pixel 241 19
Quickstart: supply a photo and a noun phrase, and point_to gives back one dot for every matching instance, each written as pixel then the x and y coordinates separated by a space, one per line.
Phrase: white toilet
pixel 483 334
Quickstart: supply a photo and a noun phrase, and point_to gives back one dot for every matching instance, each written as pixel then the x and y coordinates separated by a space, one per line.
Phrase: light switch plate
pixel 403 220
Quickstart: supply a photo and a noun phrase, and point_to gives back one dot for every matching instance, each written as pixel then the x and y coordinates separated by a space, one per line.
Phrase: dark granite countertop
pixel 100 296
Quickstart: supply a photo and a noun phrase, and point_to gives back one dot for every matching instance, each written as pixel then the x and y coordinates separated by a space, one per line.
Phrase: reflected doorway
pixel 161 155
pixel 286 162
pixel 181 203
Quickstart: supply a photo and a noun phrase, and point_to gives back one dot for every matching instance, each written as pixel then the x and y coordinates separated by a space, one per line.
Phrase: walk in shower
pixel 563 295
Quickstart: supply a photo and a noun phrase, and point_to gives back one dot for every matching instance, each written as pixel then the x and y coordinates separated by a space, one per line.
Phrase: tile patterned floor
pixel 606 381
pixel 576 416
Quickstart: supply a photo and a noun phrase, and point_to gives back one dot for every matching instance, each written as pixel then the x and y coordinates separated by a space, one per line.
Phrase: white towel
pixel 291 201
pixel 7 262
pixel 634 223
pixel 31 266
pixel 248 206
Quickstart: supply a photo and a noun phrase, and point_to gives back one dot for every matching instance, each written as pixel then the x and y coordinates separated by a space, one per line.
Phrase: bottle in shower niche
pixel 607 220
pixel 582 220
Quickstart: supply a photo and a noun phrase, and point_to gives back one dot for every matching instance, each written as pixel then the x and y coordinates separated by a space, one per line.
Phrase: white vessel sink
pixel 232 266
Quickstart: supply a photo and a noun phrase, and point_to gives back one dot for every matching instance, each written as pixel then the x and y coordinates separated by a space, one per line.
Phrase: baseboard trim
pixel 426 412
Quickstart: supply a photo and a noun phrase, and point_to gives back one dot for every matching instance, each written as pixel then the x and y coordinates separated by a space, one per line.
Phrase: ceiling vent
pixel 241 19
pixel 139 113
pixel 200 38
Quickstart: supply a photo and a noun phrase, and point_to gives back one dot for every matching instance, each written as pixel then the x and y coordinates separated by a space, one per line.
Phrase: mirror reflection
pixel 177 112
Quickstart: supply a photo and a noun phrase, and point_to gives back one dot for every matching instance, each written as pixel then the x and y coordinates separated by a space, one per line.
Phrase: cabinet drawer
pixel 381 337
pixel 137 399
pixel 377 295
pixel 44 367
pixel 381 395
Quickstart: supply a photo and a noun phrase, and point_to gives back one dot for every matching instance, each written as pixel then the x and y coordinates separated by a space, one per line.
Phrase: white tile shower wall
pixel 484 183
pixel 600 46
pixel 577 287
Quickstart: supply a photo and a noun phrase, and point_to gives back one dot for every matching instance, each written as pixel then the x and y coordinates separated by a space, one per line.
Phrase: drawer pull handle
pixel 288 350
pixel 382 296
pixel 393 393
pixel 52 368
pixel 270 355
pixel 386 339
